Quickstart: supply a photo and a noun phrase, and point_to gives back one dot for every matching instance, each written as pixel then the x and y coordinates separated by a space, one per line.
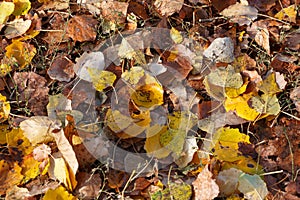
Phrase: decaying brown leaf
pixel 295 96
pixel 168 7
pixel 61 69
pixel 82 28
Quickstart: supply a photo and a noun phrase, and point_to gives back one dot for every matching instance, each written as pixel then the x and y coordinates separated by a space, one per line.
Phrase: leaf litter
pixel 233 122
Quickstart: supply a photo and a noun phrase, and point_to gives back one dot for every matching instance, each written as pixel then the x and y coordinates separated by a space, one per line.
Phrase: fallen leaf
pixel 56 4
pixel 252 186
pixel 227 181
pixel 21 51
pixel 89 185
pixel 292 41
pixel 133 75
pixel 220 50
pixel 262 39
pixel 5 69
pixel 114 11
pixel 220 5
pixel 18 193
pixel 269 85
pixel 6 9
pixel 21 7
pixel 58 193
pixel 167 7
pixel 265 104
pixel 61 69
pixel 58 170
pixel 205 187
pixel 240 13
pixel 289 14
pixel 9 176
pixel 82 28
pixel 92 60
pixel 101 79
pixel 4 108
pixel 16 28
pixel 58 103
pixel 30 168
pixel 41 152
pixel 174 191
pixel 38 129
pixel 176 35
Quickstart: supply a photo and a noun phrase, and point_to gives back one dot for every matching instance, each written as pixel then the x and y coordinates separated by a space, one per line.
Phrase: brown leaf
pixel 168 7
pixel 61 69
pixel 114 11
pixel 82 28
pixel 262 5
pixel 33 90
pixel 221 5
pixel 292 40
pixel 138 9
pixel 205 187
pixel 295 96
pixel 284 64
pixel 88 185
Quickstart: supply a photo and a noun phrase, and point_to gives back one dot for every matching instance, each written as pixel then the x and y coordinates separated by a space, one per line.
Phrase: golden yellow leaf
pixel 21 51
pixel 6 9
pixel 148 95
pixel 246 164
pixel 30 168
pixel 142 118
pixel 241 107
pixel 176 36
pixel 58 193
pixel 124 126
pixel 21 7
pixel 15 138
pixel 226 144
pixel 152 145
pixel 288 13
pixel 4 69
pixel 133 75
pixel 101 79
pixel 235 92
pixel 9 175
pixel 4 108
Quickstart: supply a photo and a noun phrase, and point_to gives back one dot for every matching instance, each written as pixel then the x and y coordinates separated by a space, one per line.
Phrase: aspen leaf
pixel 228 181
pixel 235 92
pixel 30 168
pixel 17 28
pixel 6 9
pixel 189 148
pixel 182 191
pixel 269 85
pixel 252 186
pixel 21 7
pixel 241 107
pixel 265 104
pixel 148 95
pixel 4 108
pixel 246 164
pixel 101 79
pixel 58 193
pixel 288 14
pixel 21 51
pixel 133 75
pixel 124 126
pixel 152 145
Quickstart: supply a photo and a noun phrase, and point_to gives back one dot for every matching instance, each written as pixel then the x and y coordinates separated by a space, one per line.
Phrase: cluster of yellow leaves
pixel 229 86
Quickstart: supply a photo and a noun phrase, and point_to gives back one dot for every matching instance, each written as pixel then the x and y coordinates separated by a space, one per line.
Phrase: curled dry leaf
pixel 82 28
pixel 168 7
pixel 61 69
pixel 240 13
pixel 205 187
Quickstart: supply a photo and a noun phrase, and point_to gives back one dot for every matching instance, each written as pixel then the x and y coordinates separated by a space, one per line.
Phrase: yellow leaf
pixel 269 85
pixel 148 95
pixel 15 138
pixel 21 7
pixel 152 145
pixel 133 75
pixel 289 14
pixel 59 170
pixel 176 36
pixel 21 51
pixel 141 119
pixel 9 176
pixel 246 164
pixel 226 144
pixel 124 126
pixel 4 108
pixel 241 107
pixel 101 79
pixel 59 193
pixel 30 168
pixel 6 9
pixel 4 69
pixel 233 92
